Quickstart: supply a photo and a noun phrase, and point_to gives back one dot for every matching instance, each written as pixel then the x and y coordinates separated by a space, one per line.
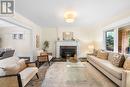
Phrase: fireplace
pixel 68 51
pixel 67 47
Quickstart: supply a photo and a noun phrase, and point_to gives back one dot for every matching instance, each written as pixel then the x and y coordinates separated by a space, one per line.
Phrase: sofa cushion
pixel 102 54
pixel 106 65
pixel 12 69
pixel 22 64
pixel 95 52
pixel 8 61
pixel 110 56
pixel 16 67
pixel 118 60
pixel 126 65
pixel 12 65
pixel 2 72
pixel 27 74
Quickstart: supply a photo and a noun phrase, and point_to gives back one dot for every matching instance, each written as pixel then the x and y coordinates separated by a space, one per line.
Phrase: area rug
pixel 59 75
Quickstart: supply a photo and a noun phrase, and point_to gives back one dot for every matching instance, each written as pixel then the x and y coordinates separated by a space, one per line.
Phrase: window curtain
pixel 125 41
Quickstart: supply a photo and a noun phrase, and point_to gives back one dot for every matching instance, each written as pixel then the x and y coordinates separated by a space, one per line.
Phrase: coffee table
pixel 74 72
pixel 78 64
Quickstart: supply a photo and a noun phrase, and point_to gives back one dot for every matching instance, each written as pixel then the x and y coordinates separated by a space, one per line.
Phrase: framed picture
pixel 14 36
pixel 18 36
pixel 67 35
pixel 37 41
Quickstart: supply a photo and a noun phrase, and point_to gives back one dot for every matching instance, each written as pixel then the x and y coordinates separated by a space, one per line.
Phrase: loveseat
pixel 15 72
pixel 119 74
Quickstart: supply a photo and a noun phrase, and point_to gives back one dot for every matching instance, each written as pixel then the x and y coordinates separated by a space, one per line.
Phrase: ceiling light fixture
pixel 70 16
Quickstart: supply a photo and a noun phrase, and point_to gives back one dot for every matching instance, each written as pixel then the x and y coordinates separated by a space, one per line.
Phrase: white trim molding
pixel 115 26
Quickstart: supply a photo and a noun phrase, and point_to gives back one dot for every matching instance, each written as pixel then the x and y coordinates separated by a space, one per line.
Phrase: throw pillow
pixel 12 69
pixel 111 56
pixel 95 52
pixel 118 60
pixel 22 64
pixel 102 55
pixel 126 65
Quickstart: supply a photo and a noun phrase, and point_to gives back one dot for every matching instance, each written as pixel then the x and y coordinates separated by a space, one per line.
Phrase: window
pixel 128 42
pixel 109 40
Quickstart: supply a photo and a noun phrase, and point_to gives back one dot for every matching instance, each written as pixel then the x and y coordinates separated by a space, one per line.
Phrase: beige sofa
pixel 15 72
pixel 117 74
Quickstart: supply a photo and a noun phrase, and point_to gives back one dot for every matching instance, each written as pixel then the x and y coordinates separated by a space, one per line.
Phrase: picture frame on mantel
pixel 67 35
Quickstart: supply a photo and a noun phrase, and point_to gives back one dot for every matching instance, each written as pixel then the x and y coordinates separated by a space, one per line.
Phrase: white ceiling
pixel 49 13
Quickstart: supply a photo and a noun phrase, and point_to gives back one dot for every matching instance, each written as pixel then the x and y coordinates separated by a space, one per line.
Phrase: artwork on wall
pixel 20 36
pixel 17 36
pixel 37 41
pixel 14 36
pixel 67 35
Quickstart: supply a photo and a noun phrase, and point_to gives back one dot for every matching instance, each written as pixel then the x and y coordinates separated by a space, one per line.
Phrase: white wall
pixel 50 34
pixel 114 23
pixel 85 36
pixel 20 21
pixel 22 47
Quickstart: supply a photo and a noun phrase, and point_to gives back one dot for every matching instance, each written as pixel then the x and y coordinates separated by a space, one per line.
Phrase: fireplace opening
pixel 68 51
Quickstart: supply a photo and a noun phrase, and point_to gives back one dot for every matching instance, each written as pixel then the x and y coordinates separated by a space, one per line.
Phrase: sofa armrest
pixel 31 64
pixel 126 78
pixel 13 80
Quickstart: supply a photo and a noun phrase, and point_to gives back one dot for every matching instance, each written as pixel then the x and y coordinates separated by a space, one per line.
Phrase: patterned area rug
pixel 59 75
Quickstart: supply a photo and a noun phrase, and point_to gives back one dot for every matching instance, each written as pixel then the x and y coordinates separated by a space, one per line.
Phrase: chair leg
pixel 49 63
pixel 37 75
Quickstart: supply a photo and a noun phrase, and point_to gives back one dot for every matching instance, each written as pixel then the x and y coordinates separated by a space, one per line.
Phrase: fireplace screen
pixel 68 51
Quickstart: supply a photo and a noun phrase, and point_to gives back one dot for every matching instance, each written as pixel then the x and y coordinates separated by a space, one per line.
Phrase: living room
pixel 42 42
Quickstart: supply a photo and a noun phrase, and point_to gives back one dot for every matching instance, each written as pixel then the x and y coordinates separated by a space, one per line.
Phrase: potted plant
pixel 45 46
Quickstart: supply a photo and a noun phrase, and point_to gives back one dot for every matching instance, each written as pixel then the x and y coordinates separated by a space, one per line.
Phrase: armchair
pixel 44 57
pixel 16 72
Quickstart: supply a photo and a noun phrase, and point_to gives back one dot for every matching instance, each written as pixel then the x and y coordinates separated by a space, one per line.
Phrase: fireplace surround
pixel 67 47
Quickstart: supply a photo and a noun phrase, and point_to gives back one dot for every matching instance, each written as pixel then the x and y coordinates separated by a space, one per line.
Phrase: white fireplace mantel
pixel 67 43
